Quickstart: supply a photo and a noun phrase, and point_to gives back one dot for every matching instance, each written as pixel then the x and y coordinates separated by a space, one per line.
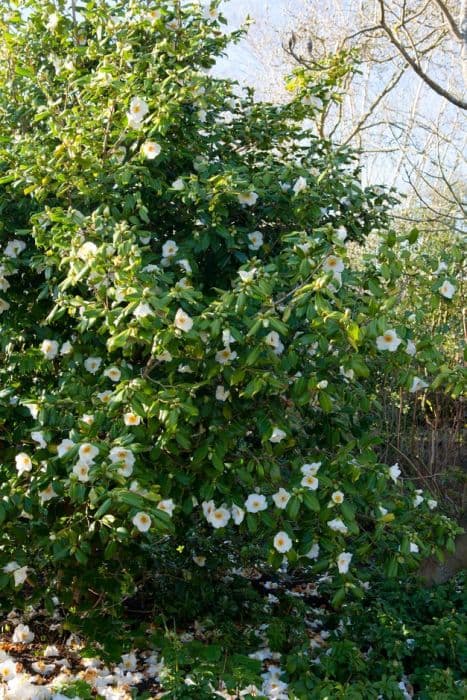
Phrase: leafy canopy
pixel 189 355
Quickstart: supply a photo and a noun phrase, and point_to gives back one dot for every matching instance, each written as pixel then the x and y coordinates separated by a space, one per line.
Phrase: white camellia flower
pixel 347 373
pixel 199 560
pixel 169 249
pixel 49 349
pixel 418 500
pixel 227 337
pixel 65 446
pixel 414 549
pixel 411 348
pixel 164 356
pixel 310 482
pixel 313 553
pixel 81 470
pixel 129 661
pixel 310 469
pixel 312 101
pixel 142 521
pixel 343 562
pixel 150 150
pixel 394 472
pixel 4 305
pixel 185 265
pixel 153 15
pixel 337 497
pixel 281 498
pixel 333 264
pixel 341 234
pixel 277 435
pixel 388 341
pixel 66 348
pixel 131 418
pixel 238 514
pixel 338 526
pixel 38 436
pixel 113 373
pixel 274 341
pixel 202 115
pixel 23 463
pixel 92 364
pixel 8 670
pixel 323 384
pixel 138 110
pixel 417 385
pixel 87 251
pixel 14 248
pixel 208 507
pixel 256 240
pixel 87 418
pixel 143 310
pixel 178 184
pixel 447 289
pixel 225 355
pixel 248 198
pixel 256 502
pixel 282 542
pixel 219 517
pixel 247 276
pixel 87 452
pixel 124 456
pixel 20 574
pixel 51 651
pixel 183 283
pixel 431 503
pixel 300 185
pixel 442 267
pixel 52 22
pixel 167 506
pixel 47 494
pixel 22 635
pixel 222 394
pixel 183 321
pixel 33 409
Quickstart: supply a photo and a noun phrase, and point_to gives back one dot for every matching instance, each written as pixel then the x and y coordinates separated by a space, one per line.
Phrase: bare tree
pixel 408 134
pixel 402 28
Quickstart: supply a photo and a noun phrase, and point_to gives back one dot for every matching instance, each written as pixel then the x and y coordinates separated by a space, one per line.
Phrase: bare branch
pixel 453 28
pixel 390 86
pixel 416 66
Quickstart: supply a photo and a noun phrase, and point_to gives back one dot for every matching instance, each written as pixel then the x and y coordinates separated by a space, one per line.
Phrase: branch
pixel 73 12
pixel 390 86
pixel 453 28
pixel 415 66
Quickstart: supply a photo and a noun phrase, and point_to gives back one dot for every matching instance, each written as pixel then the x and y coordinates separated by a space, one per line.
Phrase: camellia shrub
pixel 185 343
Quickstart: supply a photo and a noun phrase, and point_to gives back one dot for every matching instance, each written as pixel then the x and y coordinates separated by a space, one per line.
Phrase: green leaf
pixel 103 509
pixel 338 598
pixel 293 507
pixel 311 501
pixel 325 401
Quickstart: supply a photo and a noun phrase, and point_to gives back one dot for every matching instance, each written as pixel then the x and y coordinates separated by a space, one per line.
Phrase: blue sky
pixel 238 64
